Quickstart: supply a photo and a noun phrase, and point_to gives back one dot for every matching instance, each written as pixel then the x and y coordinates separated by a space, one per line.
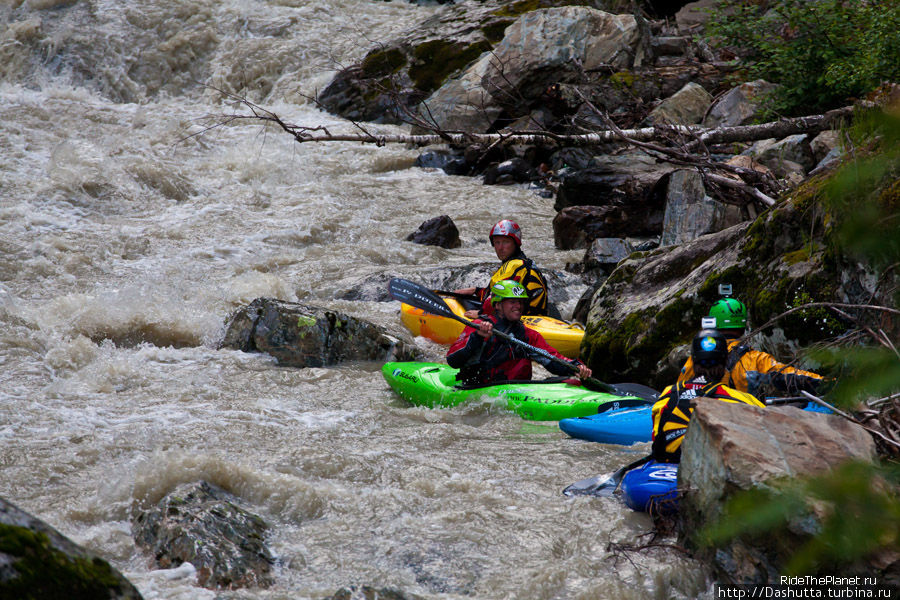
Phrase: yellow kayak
pixel 565 337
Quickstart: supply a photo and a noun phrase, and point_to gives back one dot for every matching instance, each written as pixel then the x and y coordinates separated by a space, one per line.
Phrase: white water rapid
pixel 125 242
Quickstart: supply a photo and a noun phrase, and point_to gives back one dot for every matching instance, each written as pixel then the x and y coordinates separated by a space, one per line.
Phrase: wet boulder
pixel 395 76
pixel 37 561
pixel 439 231
pixel 734 447
pixel 202 524
pixel 539 49
pixel 514 170
pixel 298 335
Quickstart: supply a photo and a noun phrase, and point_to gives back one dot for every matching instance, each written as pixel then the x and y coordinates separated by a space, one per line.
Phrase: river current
pixel 129 232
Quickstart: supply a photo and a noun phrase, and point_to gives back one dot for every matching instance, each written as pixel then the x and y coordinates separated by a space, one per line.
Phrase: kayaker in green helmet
pixel 749 370
pixel 672 413
pixel 506 238
pixel 484 358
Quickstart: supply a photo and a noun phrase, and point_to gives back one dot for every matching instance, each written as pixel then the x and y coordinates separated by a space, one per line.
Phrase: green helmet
pixel 507 289
pixel 729 314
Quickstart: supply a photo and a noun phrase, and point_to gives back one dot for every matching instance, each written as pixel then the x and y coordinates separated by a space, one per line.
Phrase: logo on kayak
pixel 402 375
pixel 667 474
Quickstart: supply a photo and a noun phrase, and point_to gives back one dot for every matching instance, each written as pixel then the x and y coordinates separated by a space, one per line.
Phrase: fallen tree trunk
pixel 777 129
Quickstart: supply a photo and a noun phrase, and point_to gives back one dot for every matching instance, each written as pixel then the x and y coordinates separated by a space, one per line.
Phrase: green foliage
pixel 864 196
pixel 822 53
pixel 852 510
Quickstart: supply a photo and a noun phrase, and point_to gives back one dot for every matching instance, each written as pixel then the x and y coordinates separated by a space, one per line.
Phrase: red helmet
pixel 509 228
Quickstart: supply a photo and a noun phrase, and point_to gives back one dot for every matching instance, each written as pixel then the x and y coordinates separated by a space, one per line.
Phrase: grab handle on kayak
pixel 422 298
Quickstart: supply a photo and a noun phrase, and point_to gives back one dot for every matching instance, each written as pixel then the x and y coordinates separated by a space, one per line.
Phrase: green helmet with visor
pixel 507 289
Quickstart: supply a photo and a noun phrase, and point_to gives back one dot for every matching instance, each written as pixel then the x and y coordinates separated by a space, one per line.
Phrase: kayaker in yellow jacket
pixel 506 237
pixel 673 411
pixel 749 370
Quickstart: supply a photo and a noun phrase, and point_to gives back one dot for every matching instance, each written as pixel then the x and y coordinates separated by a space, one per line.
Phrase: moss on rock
pixel 436 60
pixel 45 572
pixel 383 62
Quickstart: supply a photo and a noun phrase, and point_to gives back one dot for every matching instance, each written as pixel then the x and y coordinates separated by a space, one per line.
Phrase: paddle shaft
pixel 540 352
pixel 423 298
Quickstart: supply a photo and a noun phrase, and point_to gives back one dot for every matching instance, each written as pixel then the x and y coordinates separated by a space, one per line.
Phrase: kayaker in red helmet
pixel 506 237
pixel 483 358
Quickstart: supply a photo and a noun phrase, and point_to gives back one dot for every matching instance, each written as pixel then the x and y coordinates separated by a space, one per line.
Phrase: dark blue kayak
pixel 625 426
pixel 651 488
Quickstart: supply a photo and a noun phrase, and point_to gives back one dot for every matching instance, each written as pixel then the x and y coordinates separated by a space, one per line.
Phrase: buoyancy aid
pixel 672 413
pixel 482 361
pixel 749 370
pixel 519 267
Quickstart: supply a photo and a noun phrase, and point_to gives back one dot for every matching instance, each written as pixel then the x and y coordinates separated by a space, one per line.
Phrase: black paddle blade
pixel 420 297
pixel 598 485
pixel 603 485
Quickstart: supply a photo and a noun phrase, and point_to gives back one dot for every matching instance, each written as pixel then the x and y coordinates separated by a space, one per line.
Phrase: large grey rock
pixel 794 148
pixel 37 561
pixel 824 143
pixel 540 48
pixel 733 447
pixel 740 105
pixel 687 106
pixel 606 253
pixel 626 179
pixel 652 303
pixel 204 525
pixel 690 213
pixel 306 336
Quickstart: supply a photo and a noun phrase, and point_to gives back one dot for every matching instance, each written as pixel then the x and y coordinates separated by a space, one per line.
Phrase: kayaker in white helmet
pixel 484 358
pixel 506 238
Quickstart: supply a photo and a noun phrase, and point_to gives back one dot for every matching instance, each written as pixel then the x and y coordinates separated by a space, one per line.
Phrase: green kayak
pixel 434 385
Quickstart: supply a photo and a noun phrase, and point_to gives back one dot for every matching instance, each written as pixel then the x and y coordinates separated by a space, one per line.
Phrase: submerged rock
pixel 298 335
pixel 439 231
pixel 204 525
pixel 36 561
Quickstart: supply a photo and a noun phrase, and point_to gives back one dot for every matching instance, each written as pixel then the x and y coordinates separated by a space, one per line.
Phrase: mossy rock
pixel 39 563
pixel 651 305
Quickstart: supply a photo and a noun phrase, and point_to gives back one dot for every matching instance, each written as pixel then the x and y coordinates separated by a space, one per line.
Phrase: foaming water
pixel 129 232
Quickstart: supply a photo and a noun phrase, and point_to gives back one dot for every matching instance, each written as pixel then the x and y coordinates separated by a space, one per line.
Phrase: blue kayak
pixel 625 426
pixel 651 488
